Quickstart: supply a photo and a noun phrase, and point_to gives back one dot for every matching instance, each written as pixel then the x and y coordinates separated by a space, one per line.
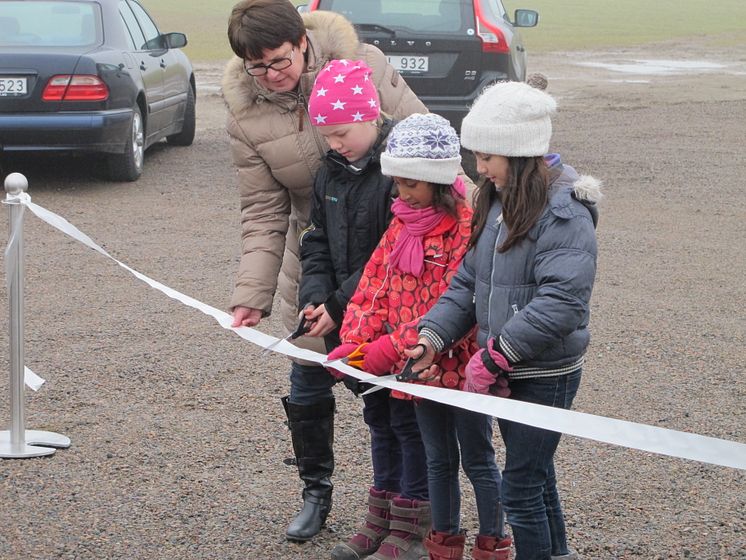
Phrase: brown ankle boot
pixel 370 536
pixel 444 546
pixel 410 522
pixel 491 548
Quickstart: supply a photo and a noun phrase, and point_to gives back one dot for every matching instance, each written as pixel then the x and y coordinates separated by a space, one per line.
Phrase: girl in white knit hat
pixel 526 283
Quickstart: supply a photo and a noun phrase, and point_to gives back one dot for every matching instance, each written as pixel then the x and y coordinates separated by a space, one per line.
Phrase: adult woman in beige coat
pixel 277 153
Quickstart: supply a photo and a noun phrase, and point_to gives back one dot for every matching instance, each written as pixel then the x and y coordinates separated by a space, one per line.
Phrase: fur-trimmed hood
pixel 330 36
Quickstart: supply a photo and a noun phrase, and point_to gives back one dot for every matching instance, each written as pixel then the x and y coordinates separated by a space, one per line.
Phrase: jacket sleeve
pixel 453 315
pixel 265 212
pixel 367 310
pixel 564 268
pixel 317 281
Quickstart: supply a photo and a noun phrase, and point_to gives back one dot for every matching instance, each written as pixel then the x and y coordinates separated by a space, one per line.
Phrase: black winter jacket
pixel 351 211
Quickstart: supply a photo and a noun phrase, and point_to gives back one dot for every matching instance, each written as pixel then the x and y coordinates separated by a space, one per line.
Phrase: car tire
pixel 128 166
pixel 186 136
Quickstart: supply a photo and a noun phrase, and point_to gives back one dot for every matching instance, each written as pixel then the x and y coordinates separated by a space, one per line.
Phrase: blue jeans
pixel 396 447
pixel 310 384
pixel 529 488
pixel 444 429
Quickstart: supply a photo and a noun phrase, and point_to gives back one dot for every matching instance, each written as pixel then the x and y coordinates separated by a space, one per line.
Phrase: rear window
pixel 418 15
pixel 49 24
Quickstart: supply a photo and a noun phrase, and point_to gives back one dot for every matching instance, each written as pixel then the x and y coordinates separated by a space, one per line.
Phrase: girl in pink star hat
pixel 351 211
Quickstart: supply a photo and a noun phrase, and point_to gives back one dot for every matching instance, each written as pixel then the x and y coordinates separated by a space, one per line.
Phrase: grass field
pixel 563 24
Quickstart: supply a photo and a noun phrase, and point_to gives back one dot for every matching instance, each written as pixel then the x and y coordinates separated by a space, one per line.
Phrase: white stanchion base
pixel 33 446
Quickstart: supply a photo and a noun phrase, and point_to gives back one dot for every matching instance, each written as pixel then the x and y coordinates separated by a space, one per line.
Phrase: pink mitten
pixel 380 356
pixel 341 351
pixel 486 372
pixel 478 377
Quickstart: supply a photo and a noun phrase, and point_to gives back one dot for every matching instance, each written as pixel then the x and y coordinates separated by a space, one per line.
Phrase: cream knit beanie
pixel 509 119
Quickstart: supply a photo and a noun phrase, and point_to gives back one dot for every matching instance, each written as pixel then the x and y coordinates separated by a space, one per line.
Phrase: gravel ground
pixel 177 431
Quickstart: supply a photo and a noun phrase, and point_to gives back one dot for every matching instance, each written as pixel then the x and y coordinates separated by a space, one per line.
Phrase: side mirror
pixel 302 8
pixel 526 18
pixel 175 40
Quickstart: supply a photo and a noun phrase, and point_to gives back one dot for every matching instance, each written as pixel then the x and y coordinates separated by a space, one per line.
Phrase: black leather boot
pixel 312 431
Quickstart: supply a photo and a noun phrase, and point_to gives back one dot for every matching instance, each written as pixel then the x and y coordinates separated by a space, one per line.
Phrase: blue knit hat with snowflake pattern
pixel 423 148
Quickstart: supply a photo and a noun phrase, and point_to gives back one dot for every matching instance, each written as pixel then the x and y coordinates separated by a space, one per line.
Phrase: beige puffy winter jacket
pixel 277 153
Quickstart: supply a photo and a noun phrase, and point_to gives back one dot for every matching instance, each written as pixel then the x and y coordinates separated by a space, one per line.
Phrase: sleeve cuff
pixel 432 337
pixel 334 309
pixel 507 351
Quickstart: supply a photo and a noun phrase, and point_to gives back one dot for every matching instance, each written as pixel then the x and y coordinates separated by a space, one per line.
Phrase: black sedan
pixel 92 76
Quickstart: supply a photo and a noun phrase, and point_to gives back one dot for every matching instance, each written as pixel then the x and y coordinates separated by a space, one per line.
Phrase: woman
pixel 277 153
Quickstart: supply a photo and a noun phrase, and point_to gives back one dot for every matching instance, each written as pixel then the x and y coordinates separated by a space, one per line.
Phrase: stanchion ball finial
pixel 16 183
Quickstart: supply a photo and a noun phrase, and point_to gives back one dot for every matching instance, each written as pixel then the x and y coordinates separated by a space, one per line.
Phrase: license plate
pixel 411 63
pixel 13 86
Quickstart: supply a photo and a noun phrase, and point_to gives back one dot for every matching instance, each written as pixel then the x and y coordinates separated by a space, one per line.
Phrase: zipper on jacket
pixel 515 309
pixel 492 275
pixel 301 104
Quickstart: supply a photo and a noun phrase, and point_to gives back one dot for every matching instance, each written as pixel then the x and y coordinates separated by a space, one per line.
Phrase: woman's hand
pixel 320 321
pixel 246 316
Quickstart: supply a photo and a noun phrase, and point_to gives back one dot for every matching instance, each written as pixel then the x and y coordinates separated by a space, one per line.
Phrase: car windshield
pixel 49 24
pixel 417 15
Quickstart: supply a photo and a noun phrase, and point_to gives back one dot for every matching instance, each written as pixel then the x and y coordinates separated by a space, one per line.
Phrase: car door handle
pixel 163 63
pixel 143 67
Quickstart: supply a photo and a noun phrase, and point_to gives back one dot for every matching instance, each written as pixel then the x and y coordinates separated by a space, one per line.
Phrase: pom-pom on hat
pixel 509 119
pixel 423 148
pixel 343 93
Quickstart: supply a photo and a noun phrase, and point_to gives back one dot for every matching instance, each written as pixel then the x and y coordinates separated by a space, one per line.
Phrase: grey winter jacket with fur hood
pixel 277 153
pixel 535 297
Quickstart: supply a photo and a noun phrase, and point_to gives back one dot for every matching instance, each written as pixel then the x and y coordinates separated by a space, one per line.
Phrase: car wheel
pixel 186 136
pixel 128 166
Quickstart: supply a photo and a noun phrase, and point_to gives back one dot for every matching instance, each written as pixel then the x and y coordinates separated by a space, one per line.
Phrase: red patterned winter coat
pixel 388 300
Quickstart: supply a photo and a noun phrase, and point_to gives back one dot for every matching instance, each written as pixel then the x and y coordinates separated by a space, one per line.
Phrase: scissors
pixel 406 374
pixel 302 328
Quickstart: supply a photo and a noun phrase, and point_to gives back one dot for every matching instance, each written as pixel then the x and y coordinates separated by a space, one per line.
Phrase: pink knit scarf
pixel 408 254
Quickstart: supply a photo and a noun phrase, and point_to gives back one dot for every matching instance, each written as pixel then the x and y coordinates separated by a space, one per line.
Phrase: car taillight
pixel 492 37
pixel 313 5
pixel 79 87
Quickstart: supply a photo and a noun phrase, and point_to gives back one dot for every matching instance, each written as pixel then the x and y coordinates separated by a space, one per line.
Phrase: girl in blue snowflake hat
pixel 413 264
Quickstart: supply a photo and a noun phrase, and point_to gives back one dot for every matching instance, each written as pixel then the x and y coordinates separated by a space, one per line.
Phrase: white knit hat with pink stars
pixel 343 93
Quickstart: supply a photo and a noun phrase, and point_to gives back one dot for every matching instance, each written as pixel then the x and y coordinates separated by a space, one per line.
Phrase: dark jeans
pixel 310 384
pixel 529 488
pixel 397 452
pixel 445 429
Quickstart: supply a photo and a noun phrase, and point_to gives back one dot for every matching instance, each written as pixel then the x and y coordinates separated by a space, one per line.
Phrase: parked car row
pixel 97 76
pixel 92 76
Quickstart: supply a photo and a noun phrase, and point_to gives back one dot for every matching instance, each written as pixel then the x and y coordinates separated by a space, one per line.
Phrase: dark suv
pixel 447 50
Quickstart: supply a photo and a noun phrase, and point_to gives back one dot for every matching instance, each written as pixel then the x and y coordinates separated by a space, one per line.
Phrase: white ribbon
pixel 609 430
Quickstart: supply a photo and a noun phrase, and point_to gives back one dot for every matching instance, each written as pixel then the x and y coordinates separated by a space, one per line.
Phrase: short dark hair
pixel 256 25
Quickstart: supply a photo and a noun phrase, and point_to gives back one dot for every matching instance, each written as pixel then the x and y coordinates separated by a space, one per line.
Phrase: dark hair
pixel 256 25
pixel 523 198
pixel 443 198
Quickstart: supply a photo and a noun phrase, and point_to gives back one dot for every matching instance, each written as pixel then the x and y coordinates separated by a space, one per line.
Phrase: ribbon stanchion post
pixel 18 442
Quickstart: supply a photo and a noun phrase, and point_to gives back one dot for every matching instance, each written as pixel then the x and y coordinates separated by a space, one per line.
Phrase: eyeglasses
pixel 277 65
